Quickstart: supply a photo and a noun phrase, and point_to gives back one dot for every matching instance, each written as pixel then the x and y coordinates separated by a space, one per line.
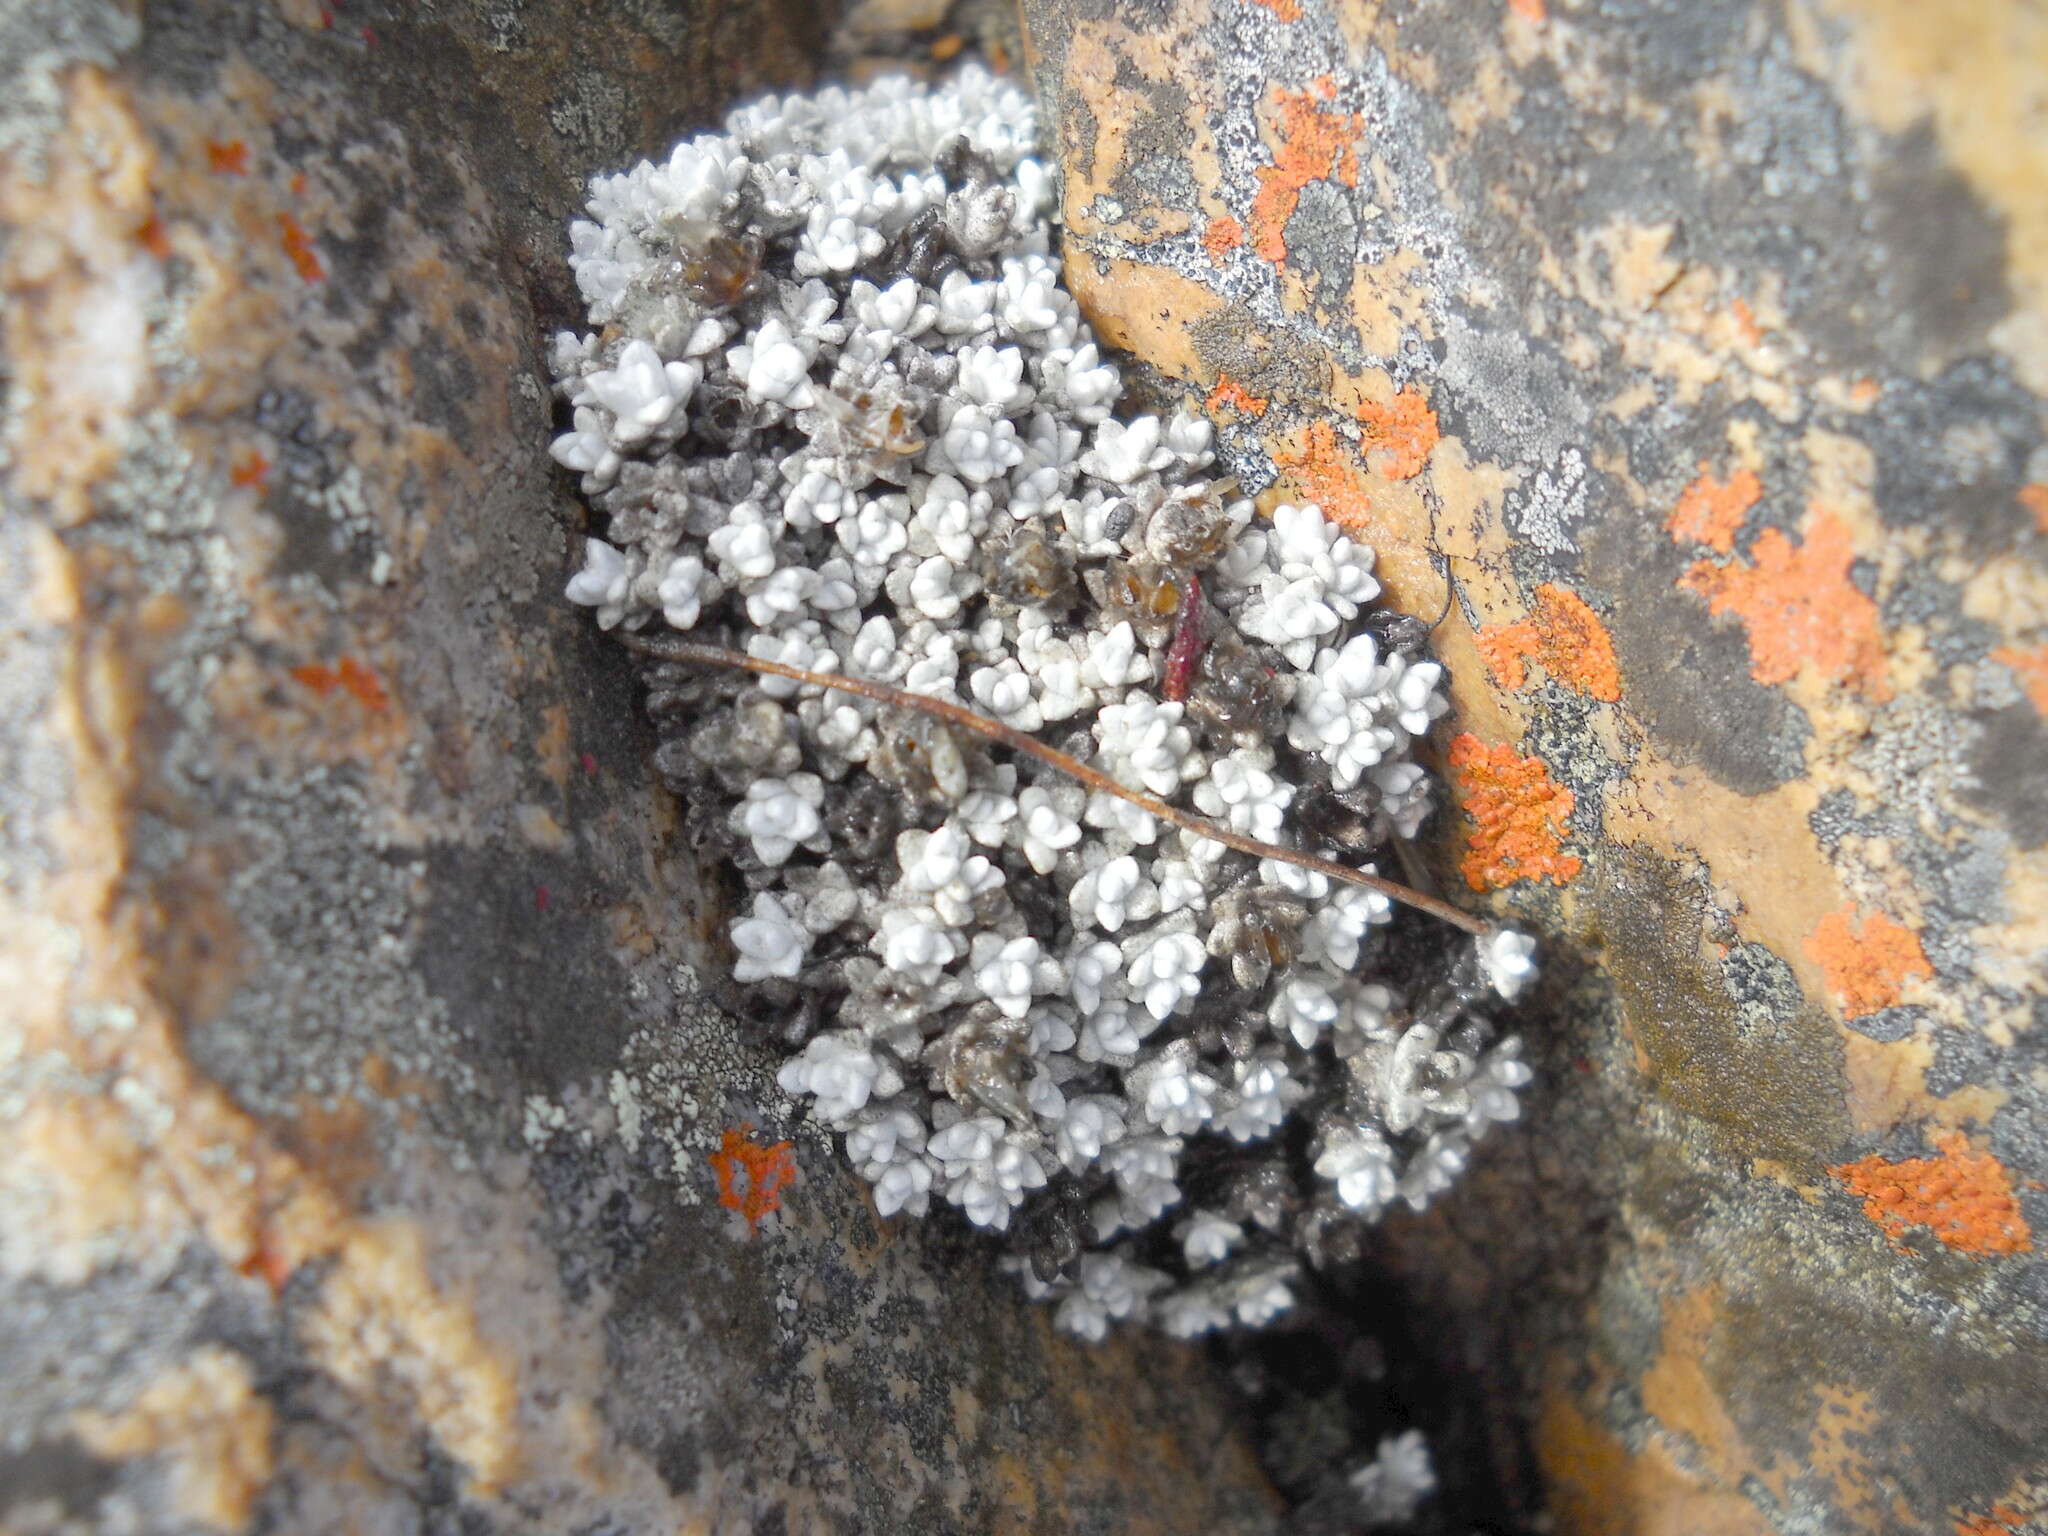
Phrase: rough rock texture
pixel 1690 360
pixel 370 1156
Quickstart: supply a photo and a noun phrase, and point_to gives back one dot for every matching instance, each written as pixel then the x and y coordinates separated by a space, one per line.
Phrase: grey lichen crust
pixel 839 412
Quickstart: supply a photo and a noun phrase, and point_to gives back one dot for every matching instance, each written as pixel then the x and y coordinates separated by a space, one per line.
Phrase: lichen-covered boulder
pixel 1690 362
pixel 371 1153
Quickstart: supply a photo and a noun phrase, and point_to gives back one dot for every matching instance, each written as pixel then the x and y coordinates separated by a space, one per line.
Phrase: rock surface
pixel 1690 361
pixel 371 1155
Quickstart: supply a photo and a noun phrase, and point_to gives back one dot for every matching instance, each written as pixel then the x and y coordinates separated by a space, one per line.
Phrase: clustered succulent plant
pixel 838 412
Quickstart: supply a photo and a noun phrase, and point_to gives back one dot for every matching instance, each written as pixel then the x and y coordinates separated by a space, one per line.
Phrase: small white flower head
pixel 1144 742
pixel 1208 1238
pixel 1176 1096
pixel 981 445
pixel 1260 1298
pixel 1303 1008
pixel 603 582
pixel 1113 1032
pixel 992 377
pixel 641 391
pixel 1357 1159
pixel 1044 830
pixel 1166 971
pixel 769 943
pixel 988 1170
pixel 1243 793
pixel 915 943
pixel 1262 1091
pixel 1338 925
pixel 1007 972
pixel 1191 1311
pixel 773 368
pixel 587 448
pixel 1110 1289
pixel 780 814
pixel 683 590
pixel 964 306
pixel 841 1071
pixel 1092 1122
pixel 1507 959
pixel 1126 452
pixel 1435 1168
pixel 1491 1090
pixel 1392 1486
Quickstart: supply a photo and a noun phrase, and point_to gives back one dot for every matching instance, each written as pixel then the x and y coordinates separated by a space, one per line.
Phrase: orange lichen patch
pixel 751 1177
pixel 1800 607
pixel 1399 434
pixel 1228 392
pixel 299 246
pixel 2035 499
pixel 230 158
pixel 1711 511
pixel 947 47
pixel 349 675
pixel 1326 478
pixel 1745 321
pixel 2032 667
pixel 1865 392
pixel 1531 11
pixel 2003 1520
pixel 1963 1196
pixel 154 238
pixel 250 468
pixel 1315 142
pixel 1867 961
pixel 1519 814
pixel 1564 637
pixel 1223 235
pixel 1286 10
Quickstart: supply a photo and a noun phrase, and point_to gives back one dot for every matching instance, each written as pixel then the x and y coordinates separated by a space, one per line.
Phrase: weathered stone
pixel 1690 362
pixel 365 1132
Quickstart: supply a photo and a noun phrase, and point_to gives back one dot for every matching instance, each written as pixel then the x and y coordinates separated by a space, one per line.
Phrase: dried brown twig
pixel 673 648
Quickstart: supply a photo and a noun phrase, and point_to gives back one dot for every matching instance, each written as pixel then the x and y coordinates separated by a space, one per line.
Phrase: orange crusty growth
pixel 1223 235
pixel 1228 392
pixel 1285 10
pixel 2034 498
pixel 1531 11
pixel 1963 1197
pixel 1314 142
pixel 2003 1520
pixel 349 675
pixel 1868 961
pixel 1398 435
pixel 298 245
pixel 1564 637
pixel 1800 607
pixel 2032 667
pixel 1328 477
pixel 229 158
pixel 1711 511
pixel 1518 812
pixel 751 1177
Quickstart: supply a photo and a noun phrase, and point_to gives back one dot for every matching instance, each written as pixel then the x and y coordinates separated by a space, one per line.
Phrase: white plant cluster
pixel 840 412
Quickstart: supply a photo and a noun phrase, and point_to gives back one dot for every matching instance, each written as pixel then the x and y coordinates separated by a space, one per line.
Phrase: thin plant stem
pixel 673 648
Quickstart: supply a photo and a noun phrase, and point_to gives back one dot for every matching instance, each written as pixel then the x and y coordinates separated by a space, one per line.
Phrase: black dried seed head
pixel 1189 532
pixel 1235 690
pixel 1143 592
pixel 1032 569
pixel 863 820
pixel 1256 928
pixel 1052 1228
